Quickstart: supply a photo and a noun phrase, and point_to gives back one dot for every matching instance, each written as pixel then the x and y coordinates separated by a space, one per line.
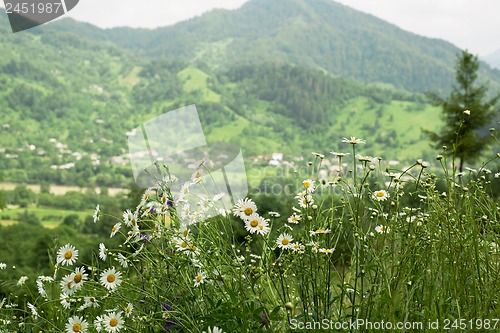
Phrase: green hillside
pixel 68 99
pixel 319 34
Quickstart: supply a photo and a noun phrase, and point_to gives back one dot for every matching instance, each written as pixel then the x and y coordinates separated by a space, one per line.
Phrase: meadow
pixel 369 248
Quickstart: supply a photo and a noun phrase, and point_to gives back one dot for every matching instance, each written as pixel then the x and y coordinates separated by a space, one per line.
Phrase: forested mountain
pixel 318 34
pixel 273 76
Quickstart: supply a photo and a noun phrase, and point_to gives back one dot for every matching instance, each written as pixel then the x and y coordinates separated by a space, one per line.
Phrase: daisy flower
pixel 308 185
pixel 353 141
pixel 115 229
pixel 22 280
pixel 34 312
pixel 284 241
pixel 244 208
pixel 68 284
pixel 90 302
pixel 128 309
pixel 380 195
pixel 295 218
pixel 112 322
pixel 326 251
pixel 97 213
pixel 79 277
pixel 67 255
pixel 305 200
pixel 65 302
pixel 252 223
pixel 111 278
pixel 3 265
pixel 337 154
pixel 76 325
pixel 199 279
pixel 103 252
pixel 319 231
pixel 122 260
pixel 382 229
pixel 197 176
pixel 296 247
pixel 263 227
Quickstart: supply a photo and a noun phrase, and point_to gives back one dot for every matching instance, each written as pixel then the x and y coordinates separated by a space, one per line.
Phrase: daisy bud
pixel 439 157
pixel 372 167
pixel 289 305
pixel 467 112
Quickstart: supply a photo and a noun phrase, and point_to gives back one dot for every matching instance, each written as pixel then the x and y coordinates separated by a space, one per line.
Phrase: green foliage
pixel 466 113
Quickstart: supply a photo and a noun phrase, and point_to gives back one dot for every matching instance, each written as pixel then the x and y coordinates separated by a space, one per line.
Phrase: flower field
pixel 364 246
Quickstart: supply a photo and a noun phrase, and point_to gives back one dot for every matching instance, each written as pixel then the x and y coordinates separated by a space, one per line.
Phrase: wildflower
pixel 199 279
pixel 319 231
pixel 252 223
pixel 115 229
pixel 103 252
pixel 67 255
pixel 76 324
pixel 97 213
pixel 112 322
pixel 284 241
pixel 308 185
pixel 382 229
pixel 244 208
pixel 90 302
pixel 470 169
pixel 64 298
pixel 295 218
pixel 128 309
pixel 362 158
pixel 34 312
pixel 184 190
pixel 380 195
pixel 215 329
pixel 122 260
pixel 353 140
pixel 79 276
pixel 68 285
pixel 274 214
pixel 22 280
pixel 497 175
pixel 304 199
pixel 3 265
pixel 337 154
pixel 467 112
pixel 326 251
pixel 296 247
pixel 111 278
pixel 197 176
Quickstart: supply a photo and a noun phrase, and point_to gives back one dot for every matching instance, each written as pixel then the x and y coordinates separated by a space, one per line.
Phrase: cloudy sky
pixel 471 24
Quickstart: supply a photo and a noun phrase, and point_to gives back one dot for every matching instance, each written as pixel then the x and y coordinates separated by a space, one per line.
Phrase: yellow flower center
pixel 185 233
pixel 261 227
pixel 307 184
pixel 114 228
pixel 248 211
pixel 77 278
pixel 198 278
pixel 254 223
pixel 77 327
pixel 319 231
pixel 134 222
pixel 68 255
pixel 284 241
pixel 184 244
pixel 113 322
pixel 380 194
pixel 111 278
pixel 192 247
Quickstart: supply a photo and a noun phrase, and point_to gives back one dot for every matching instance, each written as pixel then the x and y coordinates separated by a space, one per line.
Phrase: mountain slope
pixel 493 59
pixel 319 34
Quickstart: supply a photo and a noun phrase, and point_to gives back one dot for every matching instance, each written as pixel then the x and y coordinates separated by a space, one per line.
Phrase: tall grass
pixel 367 246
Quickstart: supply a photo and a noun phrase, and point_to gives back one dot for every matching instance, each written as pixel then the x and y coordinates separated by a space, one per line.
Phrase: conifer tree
pixel 466 112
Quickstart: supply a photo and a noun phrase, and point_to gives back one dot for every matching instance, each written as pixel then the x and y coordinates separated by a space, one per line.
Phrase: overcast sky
pixel 471 24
